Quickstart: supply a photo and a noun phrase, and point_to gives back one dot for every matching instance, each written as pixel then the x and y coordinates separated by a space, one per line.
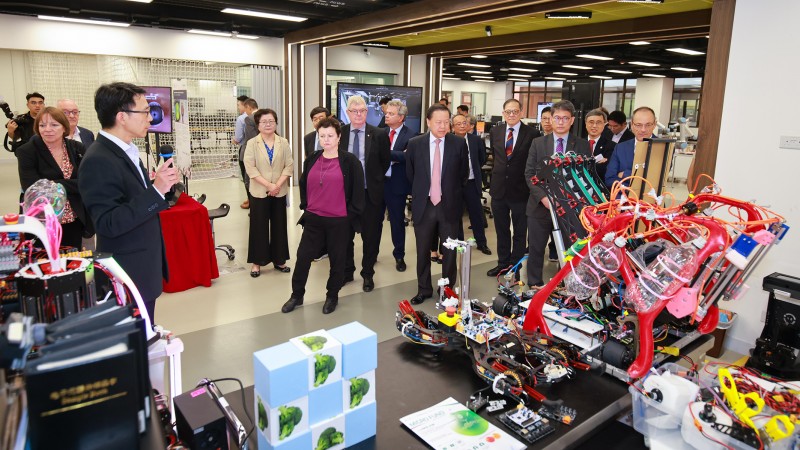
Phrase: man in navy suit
pixel 472 190
pixel 116 189
pixel 76 133
pixel 397 186
pixel 601 146
pixel 436 166
pixel 371 146
pixel 540 223
pixel 620 165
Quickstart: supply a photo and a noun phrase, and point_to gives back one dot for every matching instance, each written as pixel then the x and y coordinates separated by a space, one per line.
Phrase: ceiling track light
pixel 568 15
pixel 263 15
pixel 85 21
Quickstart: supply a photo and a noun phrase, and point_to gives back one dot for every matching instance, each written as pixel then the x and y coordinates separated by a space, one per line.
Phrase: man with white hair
pixel 76 133
pixel 370 145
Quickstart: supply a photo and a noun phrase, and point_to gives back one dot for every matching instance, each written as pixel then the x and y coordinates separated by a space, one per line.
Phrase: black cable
pixel 244 403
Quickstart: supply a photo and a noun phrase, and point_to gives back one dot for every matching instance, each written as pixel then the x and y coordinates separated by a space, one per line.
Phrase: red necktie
pixel 436 175
pixel 391 138
pixel 509 143
pixel 591 145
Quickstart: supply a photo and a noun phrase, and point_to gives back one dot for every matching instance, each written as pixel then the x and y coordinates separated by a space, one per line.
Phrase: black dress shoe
pixel 434 258
pixel 369 285
pixel 330 305
pixel 284 269
pixel 291 304
pixel 348 278
pixel 494 271
pixel 401 265
pixel 419 298
pixel 485 249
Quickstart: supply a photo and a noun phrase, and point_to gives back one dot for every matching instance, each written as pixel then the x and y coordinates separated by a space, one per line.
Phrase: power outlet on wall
pixel 790 142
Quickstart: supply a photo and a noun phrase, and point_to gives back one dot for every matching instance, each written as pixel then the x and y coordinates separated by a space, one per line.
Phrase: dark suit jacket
pixel 477 156
pixel 627 135
pixel 376 158
pixel 454 174
pixel 35 162
pixel 382 123
pixel 398 183
pixel 125 214
pixel 604 146
pixel 308 144
pixel 353 176
pixel 87 137
pixel 541 149
pixel 508 175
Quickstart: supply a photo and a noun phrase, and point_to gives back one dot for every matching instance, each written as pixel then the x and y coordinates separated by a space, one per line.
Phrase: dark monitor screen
pixel 159 100
pixel 373 93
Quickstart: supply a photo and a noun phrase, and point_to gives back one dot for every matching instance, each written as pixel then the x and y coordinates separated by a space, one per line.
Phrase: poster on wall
pixel 180 116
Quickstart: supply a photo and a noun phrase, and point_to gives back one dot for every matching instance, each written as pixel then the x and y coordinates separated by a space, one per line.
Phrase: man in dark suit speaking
pixel 436 165
pixel 540 224
pixel 122 201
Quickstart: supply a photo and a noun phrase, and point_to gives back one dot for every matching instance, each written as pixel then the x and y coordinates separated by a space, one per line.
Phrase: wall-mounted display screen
pixel 159 100
pixel 373 93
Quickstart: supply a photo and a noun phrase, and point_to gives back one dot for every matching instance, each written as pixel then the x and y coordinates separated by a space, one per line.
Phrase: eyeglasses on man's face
pixel 358 111
pixel 643 126
pixel 561 119
pixel 72 112
pixel 512 112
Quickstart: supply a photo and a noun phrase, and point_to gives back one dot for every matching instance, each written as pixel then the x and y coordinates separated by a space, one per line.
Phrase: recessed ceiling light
pixel 554 78
pixel 522 61
pixel 210 33
pixel 646 64
pixel 618 71
pixel 571 66
pixel 600 77
pixel 601 58
pixel 245 36
pixel 519 75
pixel 484 81
pixel 263 15
pixel 685 51
pixel 639 43
pixel 545 50
pixel 481 76
pixel 479 56
pixel 451 78
pixel 520 69
pixel 473 65
pixel 569 74
pixel 568 15
pixel 482 72
pixel 517 79
pixel 85 21
pixel 654 75
pixel 683 69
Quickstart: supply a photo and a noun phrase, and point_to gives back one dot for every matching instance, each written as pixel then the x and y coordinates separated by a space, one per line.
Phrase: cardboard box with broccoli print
pixel 329 434
pixel 358 391
pixel 284 426
pixel 324 357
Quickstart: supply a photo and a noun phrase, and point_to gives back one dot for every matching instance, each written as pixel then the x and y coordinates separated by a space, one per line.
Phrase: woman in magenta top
pixel 332 196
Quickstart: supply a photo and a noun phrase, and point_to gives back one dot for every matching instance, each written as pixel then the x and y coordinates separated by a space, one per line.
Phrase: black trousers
pixel 371 230
pixel 472 202
pixel 246 179
pixel 427 229
pixel 321 232
pixel 268 242
pixel 540 229
pixel 72 234
pixel 396 206
pixel 507 213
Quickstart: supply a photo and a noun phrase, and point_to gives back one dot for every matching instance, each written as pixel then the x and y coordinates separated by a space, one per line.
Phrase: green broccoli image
pixel 322 368
pixel 329 438
pixel 289 418
pixel 315 343
pixel 358 389
pixel 263 421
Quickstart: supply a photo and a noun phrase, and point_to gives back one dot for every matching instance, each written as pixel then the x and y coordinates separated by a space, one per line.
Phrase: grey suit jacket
pixel 541 149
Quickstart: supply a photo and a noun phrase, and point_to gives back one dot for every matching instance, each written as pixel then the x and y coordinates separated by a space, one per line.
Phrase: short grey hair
pixel 472 120
pixel 402 109
pixel 355 100
pixel 597 112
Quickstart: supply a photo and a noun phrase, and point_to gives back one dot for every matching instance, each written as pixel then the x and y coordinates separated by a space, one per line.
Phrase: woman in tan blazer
pixel 268 162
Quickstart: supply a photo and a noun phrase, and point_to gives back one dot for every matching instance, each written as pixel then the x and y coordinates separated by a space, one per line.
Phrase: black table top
pixel 411 377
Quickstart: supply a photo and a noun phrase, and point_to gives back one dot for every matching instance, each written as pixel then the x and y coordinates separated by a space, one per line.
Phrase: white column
pixel 657 94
